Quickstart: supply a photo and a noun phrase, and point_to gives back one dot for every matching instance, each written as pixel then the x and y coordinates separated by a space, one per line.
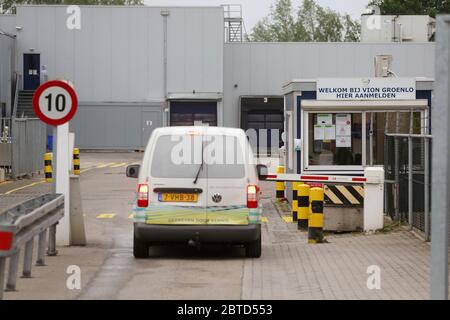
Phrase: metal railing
pixel 18 228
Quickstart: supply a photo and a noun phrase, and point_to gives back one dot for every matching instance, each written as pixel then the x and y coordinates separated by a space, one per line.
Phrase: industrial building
pixel 138 68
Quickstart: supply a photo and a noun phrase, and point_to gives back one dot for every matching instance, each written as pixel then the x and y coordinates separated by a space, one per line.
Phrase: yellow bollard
pixel 48 169
pixel 315 222
pixel 295 186
pixel 76 161
pixel 279 185
pixel 303 206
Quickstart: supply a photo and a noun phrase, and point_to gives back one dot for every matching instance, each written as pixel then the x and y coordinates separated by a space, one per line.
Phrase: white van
pixel 197 185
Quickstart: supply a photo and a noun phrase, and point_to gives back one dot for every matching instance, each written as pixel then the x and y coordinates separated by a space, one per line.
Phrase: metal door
pixel 31 71
pixel 150 121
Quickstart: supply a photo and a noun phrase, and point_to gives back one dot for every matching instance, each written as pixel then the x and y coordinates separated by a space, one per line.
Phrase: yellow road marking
pixel 264 219
pixel 23 187
pixel 87 169
pixel 105 215
pixel 104 165
pixel 347 194
pixel 119 165
pixel 287 219
pixel 5 182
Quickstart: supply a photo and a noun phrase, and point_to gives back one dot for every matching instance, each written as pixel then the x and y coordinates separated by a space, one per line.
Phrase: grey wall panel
pixel 111 126
pixel 117 55
pixel 263 68
pixel 7 45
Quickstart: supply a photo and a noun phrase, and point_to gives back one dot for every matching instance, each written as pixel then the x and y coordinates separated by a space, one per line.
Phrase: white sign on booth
pixel 366 89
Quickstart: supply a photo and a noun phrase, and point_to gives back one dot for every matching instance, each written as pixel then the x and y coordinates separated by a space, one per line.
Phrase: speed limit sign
pixel 55 102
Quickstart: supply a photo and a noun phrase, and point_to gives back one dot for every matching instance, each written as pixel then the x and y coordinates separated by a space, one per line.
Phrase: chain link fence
pixel 398 173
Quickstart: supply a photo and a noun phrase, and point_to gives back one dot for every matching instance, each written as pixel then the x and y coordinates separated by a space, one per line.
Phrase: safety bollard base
pixel 302 224
pixel 315 235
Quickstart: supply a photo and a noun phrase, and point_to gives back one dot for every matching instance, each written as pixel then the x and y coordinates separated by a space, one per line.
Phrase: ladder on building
pixel 234 23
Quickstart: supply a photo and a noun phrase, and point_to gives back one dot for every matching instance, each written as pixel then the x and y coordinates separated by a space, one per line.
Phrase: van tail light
pixel 252 196
pixel 142 196
pixel 6 240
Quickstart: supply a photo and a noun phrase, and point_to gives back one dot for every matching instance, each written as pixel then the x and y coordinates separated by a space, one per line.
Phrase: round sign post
pixel 55 103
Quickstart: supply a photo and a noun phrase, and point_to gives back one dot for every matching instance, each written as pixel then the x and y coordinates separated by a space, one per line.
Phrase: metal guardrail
pixel 18 228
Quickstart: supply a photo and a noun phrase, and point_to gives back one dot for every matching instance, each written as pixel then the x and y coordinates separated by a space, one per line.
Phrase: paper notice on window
pixel 330 132
pixel 319 132
pixel 324 118
pixel 343 124
pixel 344 142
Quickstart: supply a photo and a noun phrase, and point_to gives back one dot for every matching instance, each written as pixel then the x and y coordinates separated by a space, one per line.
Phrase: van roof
pixel 200 129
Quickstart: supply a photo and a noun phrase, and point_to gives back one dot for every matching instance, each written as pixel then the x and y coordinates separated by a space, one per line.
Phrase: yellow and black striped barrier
pixel 315 222
pixel 48 169
pixel 303 206
pixel 279 186
pixel 344 195
pixel 295 186
pixel 76 161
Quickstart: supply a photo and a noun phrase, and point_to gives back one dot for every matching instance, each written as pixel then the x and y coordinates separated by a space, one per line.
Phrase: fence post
pixel 27 259
pixel 40 261
pixel 51 251
pixel 315 222
pixel 303 206
pixel 2 275
pixel 440 122
pixel 12 272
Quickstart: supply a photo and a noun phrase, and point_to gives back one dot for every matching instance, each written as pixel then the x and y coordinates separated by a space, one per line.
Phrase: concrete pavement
pixel 288 269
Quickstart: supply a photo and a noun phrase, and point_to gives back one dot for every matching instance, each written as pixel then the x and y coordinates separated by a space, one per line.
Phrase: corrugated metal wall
pixel 115 126
pixel 262 68
pixel 117 55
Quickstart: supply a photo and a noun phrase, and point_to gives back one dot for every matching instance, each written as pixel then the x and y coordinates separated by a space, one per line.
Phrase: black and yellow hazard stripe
pixel 315 221
pixel 76 161
pixel 295 186
pixel 303 206
pixel 48 169
pixel 347 195
pixel 279 185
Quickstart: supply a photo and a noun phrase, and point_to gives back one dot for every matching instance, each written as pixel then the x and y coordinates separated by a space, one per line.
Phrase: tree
pixel 311 23
pixel 7 4
pixel 412 7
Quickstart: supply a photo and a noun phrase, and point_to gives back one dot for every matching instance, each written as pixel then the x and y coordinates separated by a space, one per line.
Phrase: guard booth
pixel 338 126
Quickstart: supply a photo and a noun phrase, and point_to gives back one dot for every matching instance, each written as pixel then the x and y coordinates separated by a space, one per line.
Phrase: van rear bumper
pixel 230 234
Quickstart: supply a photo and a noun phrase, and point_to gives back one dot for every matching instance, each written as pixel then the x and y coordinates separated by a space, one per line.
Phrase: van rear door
pixel 177 181
pixel 226 181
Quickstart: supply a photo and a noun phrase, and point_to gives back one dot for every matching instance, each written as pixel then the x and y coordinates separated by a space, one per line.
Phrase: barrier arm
pixel 373 181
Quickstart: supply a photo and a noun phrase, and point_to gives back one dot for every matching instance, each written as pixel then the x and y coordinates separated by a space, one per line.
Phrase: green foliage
pixel 10 3
pixel 412 7
pixel 311 22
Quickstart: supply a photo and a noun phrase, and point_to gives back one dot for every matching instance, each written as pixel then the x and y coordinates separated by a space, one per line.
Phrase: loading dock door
pixel 188 113
pixel 265 115
pixel 31 71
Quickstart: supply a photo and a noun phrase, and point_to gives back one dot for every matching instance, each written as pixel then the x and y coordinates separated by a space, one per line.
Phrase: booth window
pixel 335 139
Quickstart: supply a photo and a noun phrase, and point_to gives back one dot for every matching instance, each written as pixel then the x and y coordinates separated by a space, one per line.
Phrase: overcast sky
pixel 254 10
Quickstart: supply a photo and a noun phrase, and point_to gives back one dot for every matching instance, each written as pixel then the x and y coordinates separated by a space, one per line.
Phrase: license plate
pixel 178 197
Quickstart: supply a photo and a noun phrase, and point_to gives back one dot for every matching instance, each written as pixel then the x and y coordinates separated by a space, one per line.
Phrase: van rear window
pixel 180 156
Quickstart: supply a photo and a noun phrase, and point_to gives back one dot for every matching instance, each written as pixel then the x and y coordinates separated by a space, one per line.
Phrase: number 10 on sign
pixel 55 102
